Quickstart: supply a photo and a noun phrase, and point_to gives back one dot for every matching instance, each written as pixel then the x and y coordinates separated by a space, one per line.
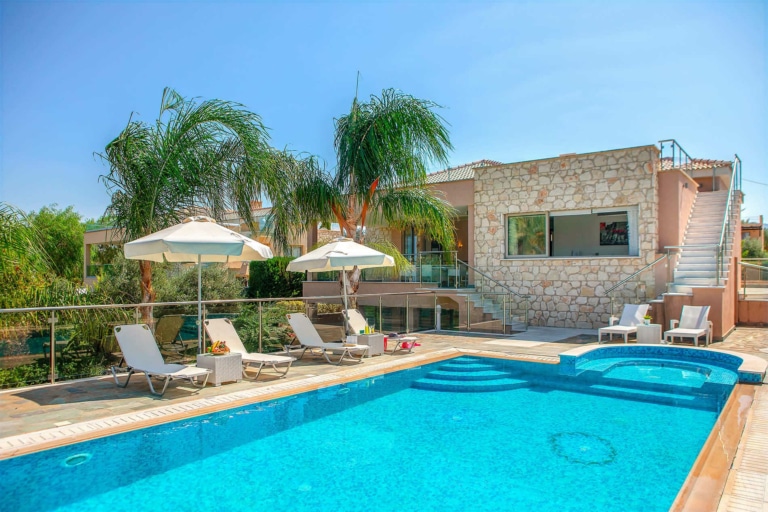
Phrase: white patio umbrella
pixel 197 240
pixel 341 254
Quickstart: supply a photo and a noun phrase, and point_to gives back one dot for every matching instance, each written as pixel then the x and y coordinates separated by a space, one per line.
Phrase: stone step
pixel 696 281
pixel 645 395
pixel 473 375
pixel 694 259
pixel 685 275
pixel 469 386
pixel 697 267
pixel 467 367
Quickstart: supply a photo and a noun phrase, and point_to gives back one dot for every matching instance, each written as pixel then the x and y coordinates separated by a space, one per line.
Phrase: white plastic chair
pixel 631 317
pixel 694 323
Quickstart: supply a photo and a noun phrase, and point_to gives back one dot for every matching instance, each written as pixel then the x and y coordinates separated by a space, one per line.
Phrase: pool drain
pixel 76 460
pixel 583 448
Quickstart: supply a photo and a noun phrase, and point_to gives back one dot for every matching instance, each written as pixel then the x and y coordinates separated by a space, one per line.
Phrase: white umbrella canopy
pixel 197 240
pixel 341 254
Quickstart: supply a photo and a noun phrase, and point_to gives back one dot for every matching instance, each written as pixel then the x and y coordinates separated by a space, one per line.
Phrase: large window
pixel 527 235
pixel 574 233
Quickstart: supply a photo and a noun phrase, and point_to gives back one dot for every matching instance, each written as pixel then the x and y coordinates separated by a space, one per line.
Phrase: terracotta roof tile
pixel 460 172
pixel 695 164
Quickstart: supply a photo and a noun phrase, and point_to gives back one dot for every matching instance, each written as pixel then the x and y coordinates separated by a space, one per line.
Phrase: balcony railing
pixel 754 278
pixel 84 345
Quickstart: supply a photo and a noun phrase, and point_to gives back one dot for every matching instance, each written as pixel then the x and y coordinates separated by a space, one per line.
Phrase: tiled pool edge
pixel 751 369
pixel 705 483
pixel 747 484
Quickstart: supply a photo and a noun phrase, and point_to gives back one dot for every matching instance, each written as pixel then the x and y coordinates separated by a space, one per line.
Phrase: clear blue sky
pixel 518 80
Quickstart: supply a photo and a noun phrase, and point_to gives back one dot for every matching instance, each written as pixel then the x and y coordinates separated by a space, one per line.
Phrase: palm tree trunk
pixel 147 291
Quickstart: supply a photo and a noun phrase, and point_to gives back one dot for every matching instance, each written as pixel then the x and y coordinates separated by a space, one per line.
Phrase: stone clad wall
pixel 567 292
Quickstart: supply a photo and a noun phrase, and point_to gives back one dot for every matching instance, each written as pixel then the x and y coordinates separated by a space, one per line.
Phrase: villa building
pixel 561 242
pixel 566 241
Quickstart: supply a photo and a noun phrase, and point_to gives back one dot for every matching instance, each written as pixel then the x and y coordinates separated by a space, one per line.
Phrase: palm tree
pixel 24 264
pixel 197 158
pixel 383 149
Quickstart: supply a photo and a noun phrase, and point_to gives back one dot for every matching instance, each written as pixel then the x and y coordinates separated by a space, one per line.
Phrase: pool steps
pixel 469 374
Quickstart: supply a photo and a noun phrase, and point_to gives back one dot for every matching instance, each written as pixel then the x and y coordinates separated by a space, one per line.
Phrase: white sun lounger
pixel 141 354
pixel 355 320
pixel 221 329
pixel 357 323
pixel 631 317
pixel 310 340
pixel 694 323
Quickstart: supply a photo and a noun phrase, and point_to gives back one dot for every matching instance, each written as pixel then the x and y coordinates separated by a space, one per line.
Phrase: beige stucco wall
pixel 677 192
pixel 568 292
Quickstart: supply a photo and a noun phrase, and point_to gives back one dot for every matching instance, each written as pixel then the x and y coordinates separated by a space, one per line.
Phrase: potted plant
pixel 647 319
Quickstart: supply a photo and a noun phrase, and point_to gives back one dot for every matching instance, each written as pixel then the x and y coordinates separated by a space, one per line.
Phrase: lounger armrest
pixel 612 320
pixel 673 323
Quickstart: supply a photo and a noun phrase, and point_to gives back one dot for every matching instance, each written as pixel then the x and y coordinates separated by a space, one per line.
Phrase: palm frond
pixel 393 138
pixel 420 208
pixel 211 156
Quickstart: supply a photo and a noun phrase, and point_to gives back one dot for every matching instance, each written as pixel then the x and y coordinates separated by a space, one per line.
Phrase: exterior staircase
pixel 698 262
pixel 496 303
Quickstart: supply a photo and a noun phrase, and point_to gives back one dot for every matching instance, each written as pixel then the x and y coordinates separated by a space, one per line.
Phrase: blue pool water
pixel 512 439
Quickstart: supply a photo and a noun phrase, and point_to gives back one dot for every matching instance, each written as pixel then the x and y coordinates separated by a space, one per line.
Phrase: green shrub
pixel 271 279
pixel 750 248
pixel 275 331
pixel 323 309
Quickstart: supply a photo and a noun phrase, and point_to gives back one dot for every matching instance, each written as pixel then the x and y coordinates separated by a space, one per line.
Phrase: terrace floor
pixel 45 416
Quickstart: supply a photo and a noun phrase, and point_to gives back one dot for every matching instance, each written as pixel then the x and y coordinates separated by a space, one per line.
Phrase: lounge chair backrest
pixel 305 331
pixel 221 329
pixel 694 317
pixel 355 319
pixel 167 328
pixel 138 346
pixel 633 314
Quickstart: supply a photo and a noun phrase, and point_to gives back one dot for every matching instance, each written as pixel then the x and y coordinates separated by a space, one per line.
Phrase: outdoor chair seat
pixel 311 341
pixel 222 329
pixel 631 317
pixel 141 354
pixel 693 323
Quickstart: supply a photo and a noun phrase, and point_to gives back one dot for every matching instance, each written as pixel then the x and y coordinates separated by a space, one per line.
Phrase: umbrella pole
pixel 199 306
pixel 344 287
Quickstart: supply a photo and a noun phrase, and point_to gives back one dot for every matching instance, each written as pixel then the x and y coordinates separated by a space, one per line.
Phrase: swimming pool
pixel 467 433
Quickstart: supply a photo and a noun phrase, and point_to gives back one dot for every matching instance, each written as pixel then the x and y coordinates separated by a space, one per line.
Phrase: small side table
pixel 649 333
pixel 225 368
pixel 375 343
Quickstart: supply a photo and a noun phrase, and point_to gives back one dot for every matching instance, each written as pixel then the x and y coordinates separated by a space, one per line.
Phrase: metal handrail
pixel 51 313
pixel 760 268
pixel 624 281
pixel 736 169
pixel 680 152
pixel 503 286
pixel 750 265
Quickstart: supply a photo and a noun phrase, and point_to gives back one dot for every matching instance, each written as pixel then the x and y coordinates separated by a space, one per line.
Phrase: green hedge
pixel 270 279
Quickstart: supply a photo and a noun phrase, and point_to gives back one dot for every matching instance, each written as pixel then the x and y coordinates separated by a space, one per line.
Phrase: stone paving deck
pixel 49 415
